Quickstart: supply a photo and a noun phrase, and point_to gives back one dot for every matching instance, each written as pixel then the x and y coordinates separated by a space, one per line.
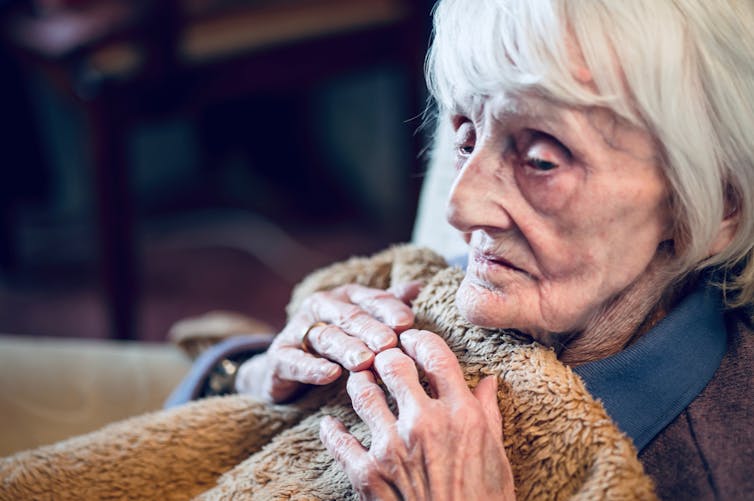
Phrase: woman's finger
pixel 353 320
pixel 401 378
pixel 292 364
pixel 381 304
pixel 486 393
pixel 387 447
pixel 331 342
pixel 355 461
pixel 407 291
pixel 440 365
pixel 253 378
pixel 369 401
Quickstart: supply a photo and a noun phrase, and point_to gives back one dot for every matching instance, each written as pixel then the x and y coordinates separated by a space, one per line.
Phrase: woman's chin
pixel 486 307
pixel 493 308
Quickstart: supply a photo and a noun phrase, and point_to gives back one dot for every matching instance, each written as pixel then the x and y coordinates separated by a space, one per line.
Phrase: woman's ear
pixel 725 233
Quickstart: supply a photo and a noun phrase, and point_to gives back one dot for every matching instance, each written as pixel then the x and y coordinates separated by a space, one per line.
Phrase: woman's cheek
pixel 549 193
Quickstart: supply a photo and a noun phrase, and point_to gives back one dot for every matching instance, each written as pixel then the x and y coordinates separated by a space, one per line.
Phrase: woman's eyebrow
pixel 546 116
pixel 521 109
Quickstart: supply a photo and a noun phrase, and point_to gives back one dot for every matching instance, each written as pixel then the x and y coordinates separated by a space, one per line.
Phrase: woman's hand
pixel 341 328
pixel 449 447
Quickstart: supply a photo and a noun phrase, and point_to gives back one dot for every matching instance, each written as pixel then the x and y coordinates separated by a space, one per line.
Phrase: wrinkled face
pixel 563 209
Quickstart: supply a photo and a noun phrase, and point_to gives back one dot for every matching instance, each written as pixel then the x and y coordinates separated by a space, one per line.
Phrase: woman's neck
pixel 626 317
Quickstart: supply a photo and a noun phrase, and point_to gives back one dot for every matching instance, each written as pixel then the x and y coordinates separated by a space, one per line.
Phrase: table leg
pixel 117 247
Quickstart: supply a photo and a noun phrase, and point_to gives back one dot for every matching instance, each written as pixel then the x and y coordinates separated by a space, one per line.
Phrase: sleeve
pixel 217 362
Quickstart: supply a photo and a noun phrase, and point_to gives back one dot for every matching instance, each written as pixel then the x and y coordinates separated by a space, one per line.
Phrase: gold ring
pixel 305 346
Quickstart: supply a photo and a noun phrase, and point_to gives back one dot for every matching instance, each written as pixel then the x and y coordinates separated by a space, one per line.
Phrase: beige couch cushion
pixel 52 389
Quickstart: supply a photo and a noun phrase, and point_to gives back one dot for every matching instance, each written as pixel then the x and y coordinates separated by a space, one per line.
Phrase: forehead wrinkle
pixel 615 131
pixel 519 108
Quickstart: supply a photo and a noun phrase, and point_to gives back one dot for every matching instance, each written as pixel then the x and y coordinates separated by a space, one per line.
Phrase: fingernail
pixel 401 319
pixel 384 342
pixel 331 371
pixel 360 357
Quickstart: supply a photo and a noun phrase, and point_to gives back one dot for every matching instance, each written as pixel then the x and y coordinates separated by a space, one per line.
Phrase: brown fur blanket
pixel 560 441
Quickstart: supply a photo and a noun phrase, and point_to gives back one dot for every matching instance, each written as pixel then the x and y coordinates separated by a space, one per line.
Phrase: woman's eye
pixel 540 164
pixel 465 139
pixel 465 150
pixel 543 153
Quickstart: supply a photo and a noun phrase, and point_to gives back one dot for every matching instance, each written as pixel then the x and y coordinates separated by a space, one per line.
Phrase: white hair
pixel 681 69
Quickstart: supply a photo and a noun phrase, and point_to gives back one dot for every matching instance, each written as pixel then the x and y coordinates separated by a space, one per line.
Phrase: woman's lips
pixel 486 258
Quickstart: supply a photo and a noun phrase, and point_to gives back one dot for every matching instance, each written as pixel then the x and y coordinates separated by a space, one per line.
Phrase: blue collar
pixel 644 387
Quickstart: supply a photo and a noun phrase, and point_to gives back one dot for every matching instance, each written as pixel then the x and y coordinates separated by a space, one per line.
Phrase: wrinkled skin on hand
pixel 360 322
pixel 443 448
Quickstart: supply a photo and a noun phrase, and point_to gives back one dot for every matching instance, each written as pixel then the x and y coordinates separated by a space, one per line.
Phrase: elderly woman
pixel 605 187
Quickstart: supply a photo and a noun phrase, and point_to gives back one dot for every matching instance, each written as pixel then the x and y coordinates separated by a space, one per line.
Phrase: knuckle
pixel 376 296
pixel 364 476
pixel 386 304
pixel 389 450
pixel 437 362
pixel 328 338
pixel 337 442
pixel 280 340
pixel 367 295
pixel 388 369
pixel 353 316
pixel 418 424
pixel 372 470
pixel 343 291
pixel 290 371
pixel 307 374
pixel 314 302
pixel 390 363
pixel 320 335
pixel 286 371
pixel 340 443
pixel 428 339
pixel 308 301
pixel 277 364
pixel 365 397
pixel 418 427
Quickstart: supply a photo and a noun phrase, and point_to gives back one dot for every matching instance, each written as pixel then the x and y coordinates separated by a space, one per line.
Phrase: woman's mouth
pixel 488 259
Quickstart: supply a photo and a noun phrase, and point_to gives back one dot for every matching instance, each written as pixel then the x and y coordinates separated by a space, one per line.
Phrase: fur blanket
pixel 560 441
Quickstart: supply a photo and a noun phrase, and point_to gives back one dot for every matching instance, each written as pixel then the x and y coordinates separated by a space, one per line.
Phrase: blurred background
pixel 167 158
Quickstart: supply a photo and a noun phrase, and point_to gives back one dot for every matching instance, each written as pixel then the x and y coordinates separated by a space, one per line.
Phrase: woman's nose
pixel 477 197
